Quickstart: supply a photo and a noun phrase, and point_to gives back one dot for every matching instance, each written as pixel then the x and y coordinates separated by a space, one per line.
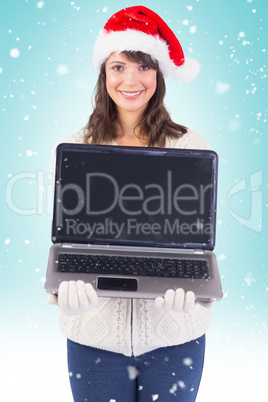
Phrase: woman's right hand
pixel 74 297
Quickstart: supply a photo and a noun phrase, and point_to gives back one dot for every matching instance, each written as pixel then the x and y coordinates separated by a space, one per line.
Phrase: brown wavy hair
pixel 156 124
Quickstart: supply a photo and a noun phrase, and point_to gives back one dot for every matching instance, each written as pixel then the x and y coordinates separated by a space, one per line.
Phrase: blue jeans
pixel 166 374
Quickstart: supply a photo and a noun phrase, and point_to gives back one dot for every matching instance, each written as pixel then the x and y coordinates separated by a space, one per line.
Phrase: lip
pixel 131 95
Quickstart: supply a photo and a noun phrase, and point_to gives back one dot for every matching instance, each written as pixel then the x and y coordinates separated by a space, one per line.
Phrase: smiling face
pixel 130 84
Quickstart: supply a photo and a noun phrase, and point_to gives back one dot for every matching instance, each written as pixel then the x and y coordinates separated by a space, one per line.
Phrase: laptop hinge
pixel 199 251
pixel 76 245
pixel 131 248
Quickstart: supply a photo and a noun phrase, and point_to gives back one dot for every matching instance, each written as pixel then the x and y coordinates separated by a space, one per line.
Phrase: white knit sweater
pixel 135 326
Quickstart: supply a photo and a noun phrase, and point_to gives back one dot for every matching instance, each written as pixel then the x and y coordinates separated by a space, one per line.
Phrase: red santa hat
pixel 140 29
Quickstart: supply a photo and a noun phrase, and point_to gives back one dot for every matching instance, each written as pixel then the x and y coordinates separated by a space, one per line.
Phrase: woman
pixel 121 349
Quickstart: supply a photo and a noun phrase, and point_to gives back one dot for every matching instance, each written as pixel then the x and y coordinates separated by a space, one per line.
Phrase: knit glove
pixel 179 319
pixel 74 298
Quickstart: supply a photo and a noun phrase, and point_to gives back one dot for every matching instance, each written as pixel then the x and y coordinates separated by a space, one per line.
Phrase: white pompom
pixel 187 71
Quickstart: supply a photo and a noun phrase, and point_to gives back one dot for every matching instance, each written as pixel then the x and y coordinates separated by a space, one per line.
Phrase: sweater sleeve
pixel 196 141
pixel 190 140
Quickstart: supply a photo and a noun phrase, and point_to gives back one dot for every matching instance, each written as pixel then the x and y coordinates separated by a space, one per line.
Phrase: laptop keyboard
pixel 142 266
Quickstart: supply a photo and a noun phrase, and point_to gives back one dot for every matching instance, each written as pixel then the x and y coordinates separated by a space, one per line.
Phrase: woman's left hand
pixel 179 301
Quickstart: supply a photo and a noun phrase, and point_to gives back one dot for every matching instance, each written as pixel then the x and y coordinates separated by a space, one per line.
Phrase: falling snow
pixel 193 29
pixel 174 387
pixel 187 361
pixel 14 53
pixel 40 4
pixel 222 257
pixel 181 384
pixel 45 91
pixel 132 372
pixel 222 87
pixel 62 69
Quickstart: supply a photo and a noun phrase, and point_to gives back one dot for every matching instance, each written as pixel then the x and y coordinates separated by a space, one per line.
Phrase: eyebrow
pixel 117 62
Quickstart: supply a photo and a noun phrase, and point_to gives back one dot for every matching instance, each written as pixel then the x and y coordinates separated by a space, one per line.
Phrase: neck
pixel 129 120
pixel 127 134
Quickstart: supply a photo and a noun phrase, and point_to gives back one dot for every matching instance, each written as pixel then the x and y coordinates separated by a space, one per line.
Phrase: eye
pixel 144 67
pixel 117 68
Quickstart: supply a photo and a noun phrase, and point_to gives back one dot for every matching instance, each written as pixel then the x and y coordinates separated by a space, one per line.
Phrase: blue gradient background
pixel 45 94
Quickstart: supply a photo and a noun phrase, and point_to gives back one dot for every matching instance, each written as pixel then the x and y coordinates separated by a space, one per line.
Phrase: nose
pixel 131 76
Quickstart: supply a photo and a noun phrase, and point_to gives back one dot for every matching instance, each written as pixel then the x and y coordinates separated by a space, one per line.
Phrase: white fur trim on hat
pixel 187 71
pixel 132 40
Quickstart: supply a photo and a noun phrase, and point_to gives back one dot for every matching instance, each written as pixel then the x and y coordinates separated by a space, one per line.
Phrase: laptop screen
pixel 135 196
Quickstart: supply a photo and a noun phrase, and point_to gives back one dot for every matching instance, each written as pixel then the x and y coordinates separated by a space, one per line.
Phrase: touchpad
pixel 106 283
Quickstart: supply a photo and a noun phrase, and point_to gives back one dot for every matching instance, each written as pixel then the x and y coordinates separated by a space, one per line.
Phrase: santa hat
pixel 140 29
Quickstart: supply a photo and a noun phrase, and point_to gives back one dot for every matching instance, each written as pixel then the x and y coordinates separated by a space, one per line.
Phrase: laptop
pixel 135 221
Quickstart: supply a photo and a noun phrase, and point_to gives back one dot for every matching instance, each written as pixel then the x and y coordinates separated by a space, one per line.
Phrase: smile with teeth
pixel 131 94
